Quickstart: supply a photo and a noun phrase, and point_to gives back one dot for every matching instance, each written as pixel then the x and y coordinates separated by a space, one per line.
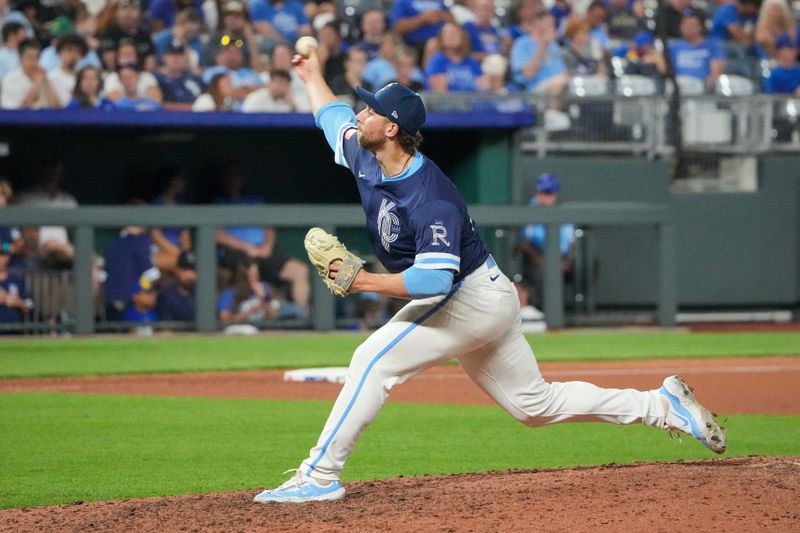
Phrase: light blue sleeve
pixel 421 283
pixel 333 119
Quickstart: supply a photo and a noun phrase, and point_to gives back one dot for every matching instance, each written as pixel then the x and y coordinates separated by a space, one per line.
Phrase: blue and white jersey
pixel 415 219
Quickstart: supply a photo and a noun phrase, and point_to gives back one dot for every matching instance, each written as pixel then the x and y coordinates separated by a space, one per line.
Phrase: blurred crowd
pixel 147 274
pixel 232 55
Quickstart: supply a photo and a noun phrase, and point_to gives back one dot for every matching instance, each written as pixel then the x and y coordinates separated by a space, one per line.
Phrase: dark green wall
pixel 734 249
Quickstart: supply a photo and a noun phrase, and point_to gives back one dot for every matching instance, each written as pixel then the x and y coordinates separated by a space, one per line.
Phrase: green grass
pixel 120 355
pixel 57 448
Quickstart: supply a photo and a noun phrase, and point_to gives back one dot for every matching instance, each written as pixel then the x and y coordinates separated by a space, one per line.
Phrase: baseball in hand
pixel 304 44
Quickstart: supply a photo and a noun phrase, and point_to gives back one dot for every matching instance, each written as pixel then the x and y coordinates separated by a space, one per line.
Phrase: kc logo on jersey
pixel 439 234
pixel 388 224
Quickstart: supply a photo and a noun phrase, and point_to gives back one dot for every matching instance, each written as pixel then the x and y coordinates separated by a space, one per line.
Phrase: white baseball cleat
pixel 302 488
pixel 685 414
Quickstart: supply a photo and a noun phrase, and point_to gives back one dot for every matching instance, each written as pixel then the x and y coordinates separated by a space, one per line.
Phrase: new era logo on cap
pixel 401 101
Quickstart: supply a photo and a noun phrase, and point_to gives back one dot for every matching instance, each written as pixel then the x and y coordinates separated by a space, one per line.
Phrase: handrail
pixel 206 218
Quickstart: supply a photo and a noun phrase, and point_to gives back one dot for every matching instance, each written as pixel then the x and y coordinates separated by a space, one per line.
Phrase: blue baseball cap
pixel 397 103
pixel 785 41
pixel 548 183
pixel 642 38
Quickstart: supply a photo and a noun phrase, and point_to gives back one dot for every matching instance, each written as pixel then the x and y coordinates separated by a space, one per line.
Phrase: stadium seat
pixel 588 86
pixel 688 85
pixel 732 85
pixel 634 85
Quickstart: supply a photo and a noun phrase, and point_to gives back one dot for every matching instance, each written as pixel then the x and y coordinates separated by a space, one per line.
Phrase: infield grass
pixel 122 355
pixel 59 448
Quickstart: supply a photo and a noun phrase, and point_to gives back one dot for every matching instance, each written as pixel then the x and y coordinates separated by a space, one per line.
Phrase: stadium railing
pixel 206 219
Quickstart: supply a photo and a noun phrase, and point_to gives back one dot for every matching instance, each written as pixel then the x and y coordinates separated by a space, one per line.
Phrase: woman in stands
pixel 451 69
pixel 88 87
pixel 774 19
pixel 218 95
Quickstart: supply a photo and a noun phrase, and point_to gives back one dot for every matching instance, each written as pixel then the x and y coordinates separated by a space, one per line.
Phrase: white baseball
pixel 304 44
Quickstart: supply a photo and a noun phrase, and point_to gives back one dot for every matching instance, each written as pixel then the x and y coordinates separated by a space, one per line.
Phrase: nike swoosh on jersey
pixel 361 174
pixel 494 278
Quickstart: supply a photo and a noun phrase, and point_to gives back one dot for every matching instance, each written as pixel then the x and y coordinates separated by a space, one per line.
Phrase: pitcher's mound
pixel 738 494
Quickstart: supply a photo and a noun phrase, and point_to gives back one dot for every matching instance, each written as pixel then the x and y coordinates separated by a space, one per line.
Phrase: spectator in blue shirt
pixel 243 244
pixel 126 258
pixel 451 68
pixel 142 304
pixel 532 243
pixel 785 77
pixel 536 62
pixel 132 99
pixel 13 34
pixel 735 23
pixel 695 55
pixel 14 300
pixel 162 13
pixel 484 37
pixel 774 20
pixel 561 11
pixel 179 86
pixel 280 20
pixel 248 299
pixel 522 18
pixel 596 18
pixel 230 61
pixel 11 238
pixel 373 30
pixel 418 21
pixel 185 33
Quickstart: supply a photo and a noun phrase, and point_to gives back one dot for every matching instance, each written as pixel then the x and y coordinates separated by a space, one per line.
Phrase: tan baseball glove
pixel 323 249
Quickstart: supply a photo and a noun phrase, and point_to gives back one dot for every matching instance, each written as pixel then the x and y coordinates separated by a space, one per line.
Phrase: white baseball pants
pixel 479 324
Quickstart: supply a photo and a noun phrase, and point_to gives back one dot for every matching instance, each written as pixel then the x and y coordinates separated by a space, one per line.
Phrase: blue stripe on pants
pixel 372 363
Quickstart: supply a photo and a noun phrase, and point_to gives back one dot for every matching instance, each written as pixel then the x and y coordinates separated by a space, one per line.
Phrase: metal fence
pixel 634 121
pixel 76 311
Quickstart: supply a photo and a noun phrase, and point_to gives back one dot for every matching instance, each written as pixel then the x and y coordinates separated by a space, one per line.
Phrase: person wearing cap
pixel 176 302
pixel 785 77
pixel 461 304
pixel 142 304
pixel 642 58
pixel 179 86
pixel 531 246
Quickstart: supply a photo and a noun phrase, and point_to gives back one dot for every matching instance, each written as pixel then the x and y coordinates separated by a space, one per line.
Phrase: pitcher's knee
pixel 535 405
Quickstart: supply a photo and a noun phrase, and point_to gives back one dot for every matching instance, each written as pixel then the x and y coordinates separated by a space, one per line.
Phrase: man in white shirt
pixel 71 48
pixel 147 85
pixel 28 87
pixel 276 97
pixel 54 245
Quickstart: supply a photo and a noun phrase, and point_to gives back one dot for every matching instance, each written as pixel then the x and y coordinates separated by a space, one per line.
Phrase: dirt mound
pixel 737 494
